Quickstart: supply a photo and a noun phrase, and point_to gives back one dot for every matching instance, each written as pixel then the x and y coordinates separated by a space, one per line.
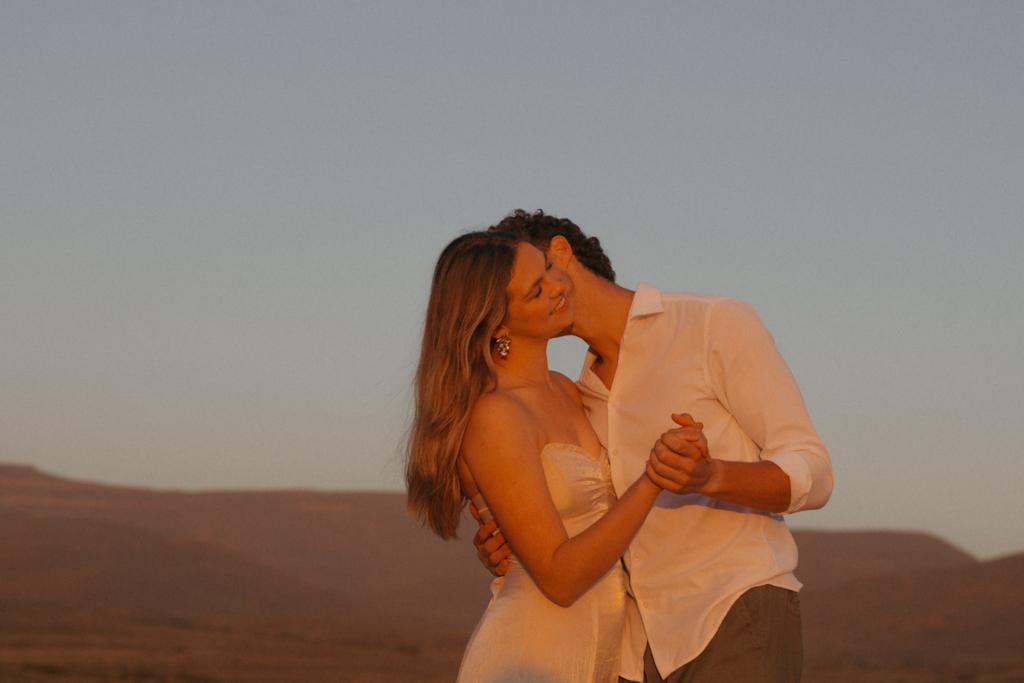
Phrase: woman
pixel 489 409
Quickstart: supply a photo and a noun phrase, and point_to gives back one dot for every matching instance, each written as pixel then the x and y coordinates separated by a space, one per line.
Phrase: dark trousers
pixel 760 641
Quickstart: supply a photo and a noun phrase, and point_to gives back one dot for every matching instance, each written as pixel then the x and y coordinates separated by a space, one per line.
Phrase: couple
pixel 579 475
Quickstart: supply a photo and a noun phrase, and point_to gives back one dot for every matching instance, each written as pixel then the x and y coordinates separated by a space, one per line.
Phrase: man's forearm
pixel 761 485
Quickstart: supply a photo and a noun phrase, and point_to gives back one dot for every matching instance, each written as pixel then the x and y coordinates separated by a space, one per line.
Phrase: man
pixel 711 571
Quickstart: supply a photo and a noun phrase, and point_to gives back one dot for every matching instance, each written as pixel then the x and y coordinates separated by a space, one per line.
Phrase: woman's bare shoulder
pixel 498 420
pixel 495 405
pixel 568 386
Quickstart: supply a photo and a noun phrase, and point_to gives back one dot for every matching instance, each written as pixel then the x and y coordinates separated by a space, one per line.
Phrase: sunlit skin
pixel 530 407
pixel 537 311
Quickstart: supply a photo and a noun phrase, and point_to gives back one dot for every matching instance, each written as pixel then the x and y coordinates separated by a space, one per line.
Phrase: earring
pixel 503 344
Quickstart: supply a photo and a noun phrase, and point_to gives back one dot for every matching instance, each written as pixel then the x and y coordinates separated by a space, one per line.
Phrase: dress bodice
pixel 579 483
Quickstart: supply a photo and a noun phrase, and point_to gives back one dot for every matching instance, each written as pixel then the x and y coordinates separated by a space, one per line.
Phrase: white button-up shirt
pixel 694 556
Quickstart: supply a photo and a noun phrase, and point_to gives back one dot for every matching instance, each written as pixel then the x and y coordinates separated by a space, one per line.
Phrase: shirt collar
pixel 646 301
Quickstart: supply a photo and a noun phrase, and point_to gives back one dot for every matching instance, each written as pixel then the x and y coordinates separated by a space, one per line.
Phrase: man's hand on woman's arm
pixel 491 547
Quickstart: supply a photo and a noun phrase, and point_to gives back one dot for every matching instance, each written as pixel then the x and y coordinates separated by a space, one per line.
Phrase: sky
pixel 218 223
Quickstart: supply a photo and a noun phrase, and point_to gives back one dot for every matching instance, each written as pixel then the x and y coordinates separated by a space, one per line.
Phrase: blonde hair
pixel 467 303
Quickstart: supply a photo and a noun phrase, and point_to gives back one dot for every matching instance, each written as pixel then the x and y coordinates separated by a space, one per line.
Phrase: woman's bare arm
pixel 504 460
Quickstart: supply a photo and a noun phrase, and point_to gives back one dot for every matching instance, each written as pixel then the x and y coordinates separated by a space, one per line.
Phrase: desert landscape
pixel 109 583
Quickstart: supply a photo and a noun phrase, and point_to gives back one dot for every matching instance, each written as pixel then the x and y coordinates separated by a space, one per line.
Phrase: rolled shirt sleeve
pixel 753 382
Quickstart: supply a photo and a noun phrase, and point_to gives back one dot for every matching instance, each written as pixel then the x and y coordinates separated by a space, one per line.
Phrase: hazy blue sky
pixel 218 221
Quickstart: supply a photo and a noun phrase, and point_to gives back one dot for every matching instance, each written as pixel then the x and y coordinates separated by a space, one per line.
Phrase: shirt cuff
pixel 799 473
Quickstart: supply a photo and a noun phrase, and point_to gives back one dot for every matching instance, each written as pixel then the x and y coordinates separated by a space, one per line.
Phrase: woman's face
pixel 537 306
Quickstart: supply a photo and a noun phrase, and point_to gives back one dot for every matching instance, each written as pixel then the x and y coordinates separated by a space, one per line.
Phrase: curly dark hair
pixel 538 228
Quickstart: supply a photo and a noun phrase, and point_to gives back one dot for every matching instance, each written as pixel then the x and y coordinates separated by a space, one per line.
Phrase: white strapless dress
pixel 525 638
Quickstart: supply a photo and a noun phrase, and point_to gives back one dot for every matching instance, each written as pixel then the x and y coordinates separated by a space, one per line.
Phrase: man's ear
pixel 560 251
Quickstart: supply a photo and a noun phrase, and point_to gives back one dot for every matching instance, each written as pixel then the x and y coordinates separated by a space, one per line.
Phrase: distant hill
pixel 363 547
pixel 953 619
pixel 85 564
pixel 831 558
pixel 355 564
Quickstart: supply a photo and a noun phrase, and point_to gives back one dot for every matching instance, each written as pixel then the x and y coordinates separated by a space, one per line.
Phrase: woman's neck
pixel 526 365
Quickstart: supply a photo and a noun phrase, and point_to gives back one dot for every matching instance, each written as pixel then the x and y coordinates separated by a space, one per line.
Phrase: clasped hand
pixel 679 460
